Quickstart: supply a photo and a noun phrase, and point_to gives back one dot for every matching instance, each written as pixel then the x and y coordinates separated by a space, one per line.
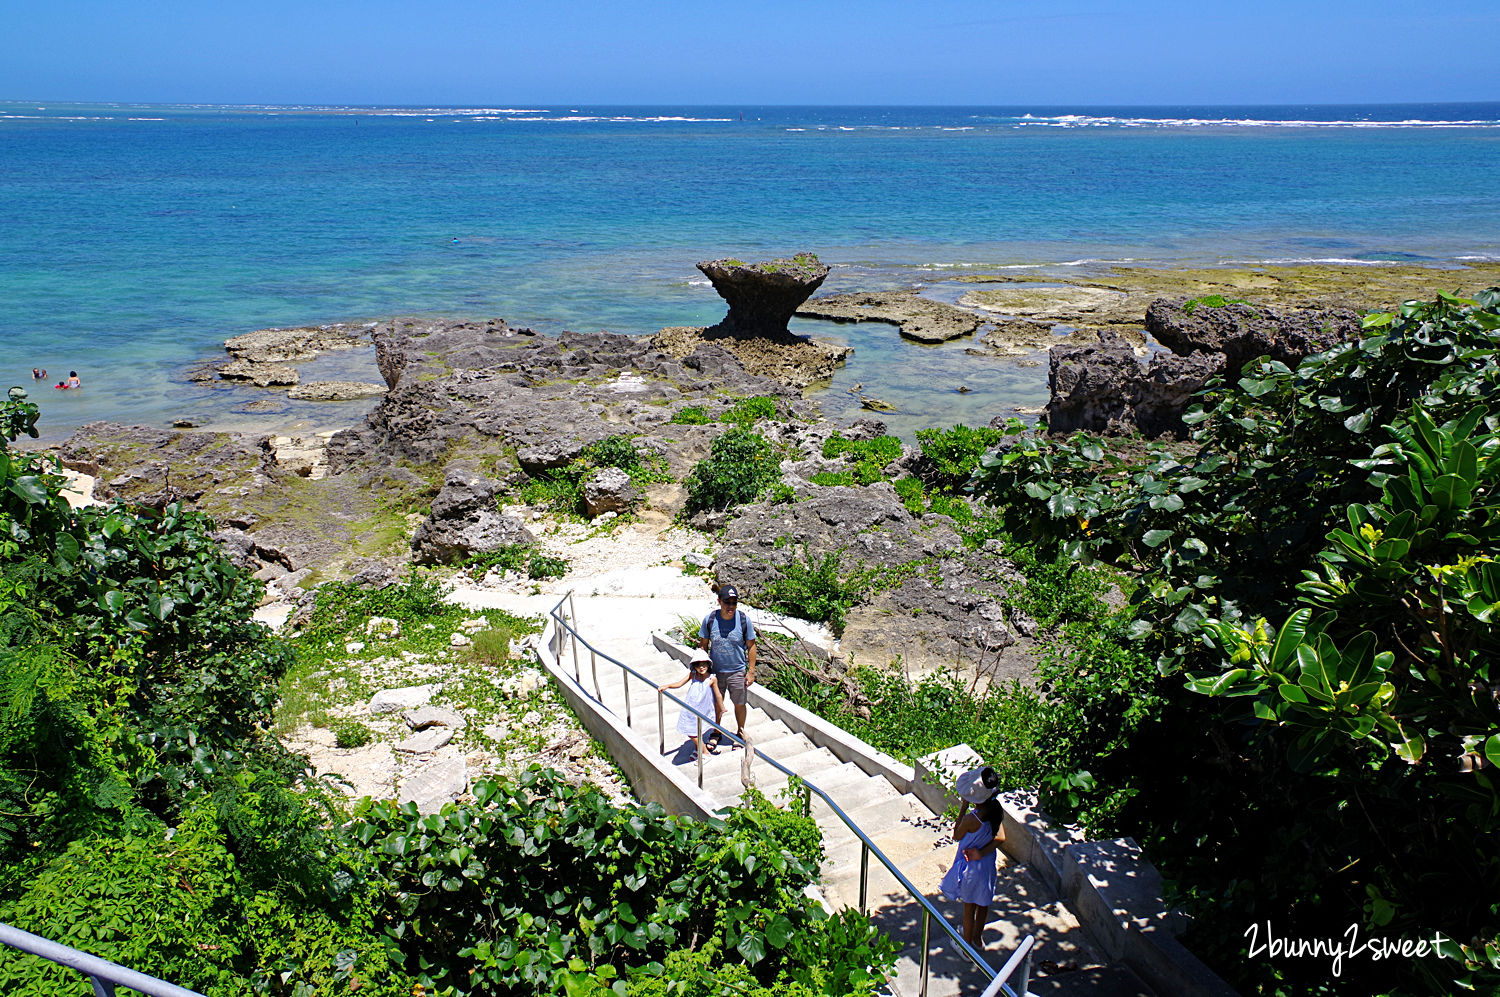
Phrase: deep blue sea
pixel 134 239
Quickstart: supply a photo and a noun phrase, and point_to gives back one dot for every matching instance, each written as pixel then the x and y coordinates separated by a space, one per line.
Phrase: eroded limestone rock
pixel 1242 331
pixel 1106 389
pixel 919 318
pixel 465 520
pixel 763 297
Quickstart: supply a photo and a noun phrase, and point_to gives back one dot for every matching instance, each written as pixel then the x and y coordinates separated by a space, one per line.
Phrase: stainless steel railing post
pixel 102 988
pixel 926 935
pixel 594 664
pixel 699 752
pixel 573 630
pixel 625 676
pixel 661 719
pixel 864 878
pixel 1024 975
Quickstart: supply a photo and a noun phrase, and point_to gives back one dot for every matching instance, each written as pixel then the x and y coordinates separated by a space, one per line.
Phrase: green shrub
pixel 791 830
pixel 350 734
pixel 817 589
pixel 690 415
pixel 739 466
pixel 911 494
pixel 780 493
pixel 748 411
pixel 516 557
pixel 561 489
pixel 828 478
pixel 491 900
pixel 953 454
pixel 540 565
pixel 1314 586
pixel 492 646
pixel 869 457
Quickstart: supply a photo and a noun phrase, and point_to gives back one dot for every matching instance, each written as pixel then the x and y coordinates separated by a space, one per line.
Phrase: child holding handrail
pixel 702 693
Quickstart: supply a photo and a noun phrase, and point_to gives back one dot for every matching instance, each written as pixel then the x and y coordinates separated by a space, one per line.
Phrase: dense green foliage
pixel 748 411
pixel 561 489
pixel 1314 580
pixel 691 415
pixel 139 787
pixel 745 413
pixel 540 886
pixel 739 466
pixel 148 815
pixel 818 589
pixel 869 457
pixel 950 455
pixel 525 558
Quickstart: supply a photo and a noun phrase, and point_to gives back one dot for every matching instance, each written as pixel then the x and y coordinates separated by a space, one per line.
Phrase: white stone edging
pixel 1116 895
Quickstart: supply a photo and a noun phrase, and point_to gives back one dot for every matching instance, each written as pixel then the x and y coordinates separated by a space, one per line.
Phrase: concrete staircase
pixel 912 837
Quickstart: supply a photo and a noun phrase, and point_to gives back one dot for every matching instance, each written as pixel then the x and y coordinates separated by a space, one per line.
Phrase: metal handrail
pixel 1020 959
pixel 103 974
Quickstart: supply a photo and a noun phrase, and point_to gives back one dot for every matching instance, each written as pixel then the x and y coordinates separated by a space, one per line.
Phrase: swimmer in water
pixel 36 374
pixel 73 381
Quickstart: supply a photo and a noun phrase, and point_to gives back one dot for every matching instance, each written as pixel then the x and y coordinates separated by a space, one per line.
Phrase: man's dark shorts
pixel 732 684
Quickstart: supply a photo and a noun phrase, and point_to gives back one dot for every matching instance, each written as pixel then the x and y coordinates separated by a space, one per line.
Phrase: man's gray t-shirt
pixel 727 640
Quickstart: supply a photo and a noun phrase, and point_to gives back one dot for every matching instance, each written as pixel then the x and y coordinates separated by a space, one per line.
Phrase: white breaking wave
pixel 1090 121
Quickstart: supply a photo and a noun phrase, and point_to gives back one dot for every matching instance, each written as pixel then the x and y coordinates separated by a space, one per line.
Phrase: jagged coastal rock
pixel 262 375
pixel 919 318
pixel 266 357
pixel 1242 331
pixel 763 297
pixel 1106 389
pixel 930 599
pixel 465 520
pixel 334 391
pixel 793 360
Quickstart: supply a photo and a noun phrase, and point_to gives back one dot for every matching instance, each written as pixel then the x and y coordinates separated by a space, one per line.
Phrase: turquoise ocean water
pixel 134 239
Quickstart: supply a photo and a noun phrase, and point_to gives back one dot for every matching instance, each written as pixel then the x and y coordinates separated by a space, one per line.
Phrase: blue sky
pixel 472 52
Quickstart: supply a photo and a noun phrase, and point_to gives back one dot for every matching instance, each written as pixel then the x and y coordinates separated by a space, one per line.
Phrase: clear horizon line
pixel 585 103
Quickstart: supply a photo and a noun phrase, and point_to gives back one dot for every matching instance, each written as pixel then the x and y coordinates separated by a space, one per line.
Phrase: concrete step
pixel 1063 979
pixel 1060 952
pixel 809 763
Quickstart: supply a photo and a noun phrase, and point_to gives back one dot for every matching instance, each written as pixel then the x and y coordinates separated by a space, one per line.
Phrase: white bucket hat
pixel 973 786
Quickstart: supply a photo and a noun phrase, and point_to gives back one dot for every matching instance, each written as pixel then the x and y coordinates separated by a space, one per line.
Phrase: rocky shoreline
pixel 475 417
pixel 496 406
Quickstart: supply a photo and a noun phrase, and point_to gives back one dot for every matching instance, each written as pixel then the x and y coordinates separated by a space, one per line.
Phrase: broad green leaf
pixel 1289 638
pixel 1411 748
pixel 1492 749
pixel 30 489
pixel 1155 538
pixel 752 946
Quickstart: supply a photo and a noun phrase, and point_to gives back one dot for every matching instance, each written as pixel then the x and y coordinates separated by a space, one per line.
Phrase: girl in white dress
pixel 702 694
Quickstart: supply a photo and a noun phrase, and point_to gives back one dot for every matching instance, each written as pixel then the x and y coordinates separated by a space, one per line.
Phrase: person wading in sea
pixel 729 638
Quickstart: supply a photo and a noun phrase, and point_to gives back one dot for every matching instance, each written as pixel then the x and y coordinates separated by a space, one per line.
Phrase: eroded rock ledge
pixel 919 318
